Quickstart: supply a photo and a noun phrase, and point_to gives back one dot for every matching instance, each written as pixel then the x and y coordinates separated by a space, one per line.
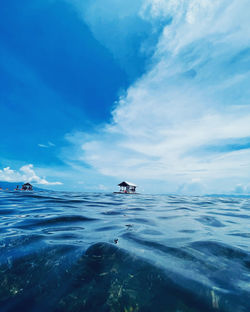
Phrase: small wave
pixel 234 215
pixel 150 232
pixel 137 209
pixel 211 221
pixel 61 229
pixel 169 217
pixel 111 212
pixel 107 228
pixel 177 252
pixel 220 249
pixel 141 220
pixel 187 231
pixel 64 236
pixel 205 203
pixel 245 235
pixel 183 209
pixel 54 220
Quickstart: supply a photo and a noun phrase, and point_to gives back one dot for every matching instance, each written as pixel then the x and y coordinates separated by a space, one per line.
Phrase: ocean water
pixel 62 251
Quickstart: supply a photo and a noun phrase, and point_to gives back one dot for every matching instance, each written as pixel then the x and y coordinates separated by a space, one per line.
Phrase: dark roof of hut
pixel 124 183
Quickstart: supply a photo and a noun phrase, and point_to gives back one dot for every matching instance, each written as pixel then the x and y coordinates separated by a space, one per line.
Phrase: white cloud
pixel 43 145
pixel 182 122
pixel 26 174
pixel 49 144
pixel 9 175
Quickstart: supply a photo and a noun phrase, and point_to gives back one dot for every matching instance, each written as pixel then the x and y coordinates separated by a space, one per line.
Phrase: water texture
pixel 62 251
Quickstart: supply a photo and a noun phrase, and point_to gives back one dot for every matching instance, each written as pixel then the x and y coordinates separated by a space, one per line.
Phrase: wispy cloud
pixel 26 174
pixel 187 120
pixel 43 145
pixel 122 29
pixel 49 144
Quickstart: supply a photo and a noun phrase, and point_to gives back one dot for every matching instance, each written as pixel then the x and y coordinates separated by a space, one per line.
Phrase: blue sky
pixel 152 91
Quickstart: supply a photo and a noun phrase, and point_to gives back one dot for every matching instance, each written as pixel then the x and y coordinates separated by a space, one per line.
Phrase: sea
pixel 63 251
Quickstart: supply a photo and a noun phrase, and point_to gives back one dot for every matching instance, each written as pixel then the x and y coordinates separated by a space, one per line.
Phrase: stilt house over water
pixel 127 187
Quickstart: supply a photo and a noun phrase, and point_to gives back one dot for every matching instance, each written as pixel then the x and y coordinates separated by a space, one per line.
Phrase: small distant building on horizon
pixel 27 187
pixel 127 187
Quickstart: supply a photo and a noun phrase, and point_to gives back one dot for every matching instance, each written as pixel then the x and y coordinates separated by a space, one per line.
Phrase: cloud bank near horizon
pixel 186 121
pixel 25 174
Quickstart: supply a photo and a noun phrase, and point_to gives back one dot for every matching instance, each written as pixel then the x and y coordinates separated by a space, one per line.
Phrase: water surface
pixel 64 251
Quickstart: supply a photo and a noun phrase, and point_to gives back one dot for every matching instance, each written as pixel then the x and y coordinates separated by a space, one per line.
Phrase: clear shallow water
pixel 112 252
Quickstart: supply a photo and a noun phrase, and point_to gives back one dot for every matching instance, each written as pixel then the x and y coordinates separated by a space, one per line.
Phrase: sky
pixel 155 92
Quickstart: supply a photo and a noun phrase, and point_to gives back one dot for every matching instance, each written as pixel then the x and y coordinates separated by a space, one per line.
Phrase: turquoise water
pixel 112 252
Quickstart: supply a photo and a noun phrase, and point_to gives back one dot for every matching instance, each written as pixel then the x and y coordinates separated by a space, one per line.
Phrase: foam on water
pixel 112 252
